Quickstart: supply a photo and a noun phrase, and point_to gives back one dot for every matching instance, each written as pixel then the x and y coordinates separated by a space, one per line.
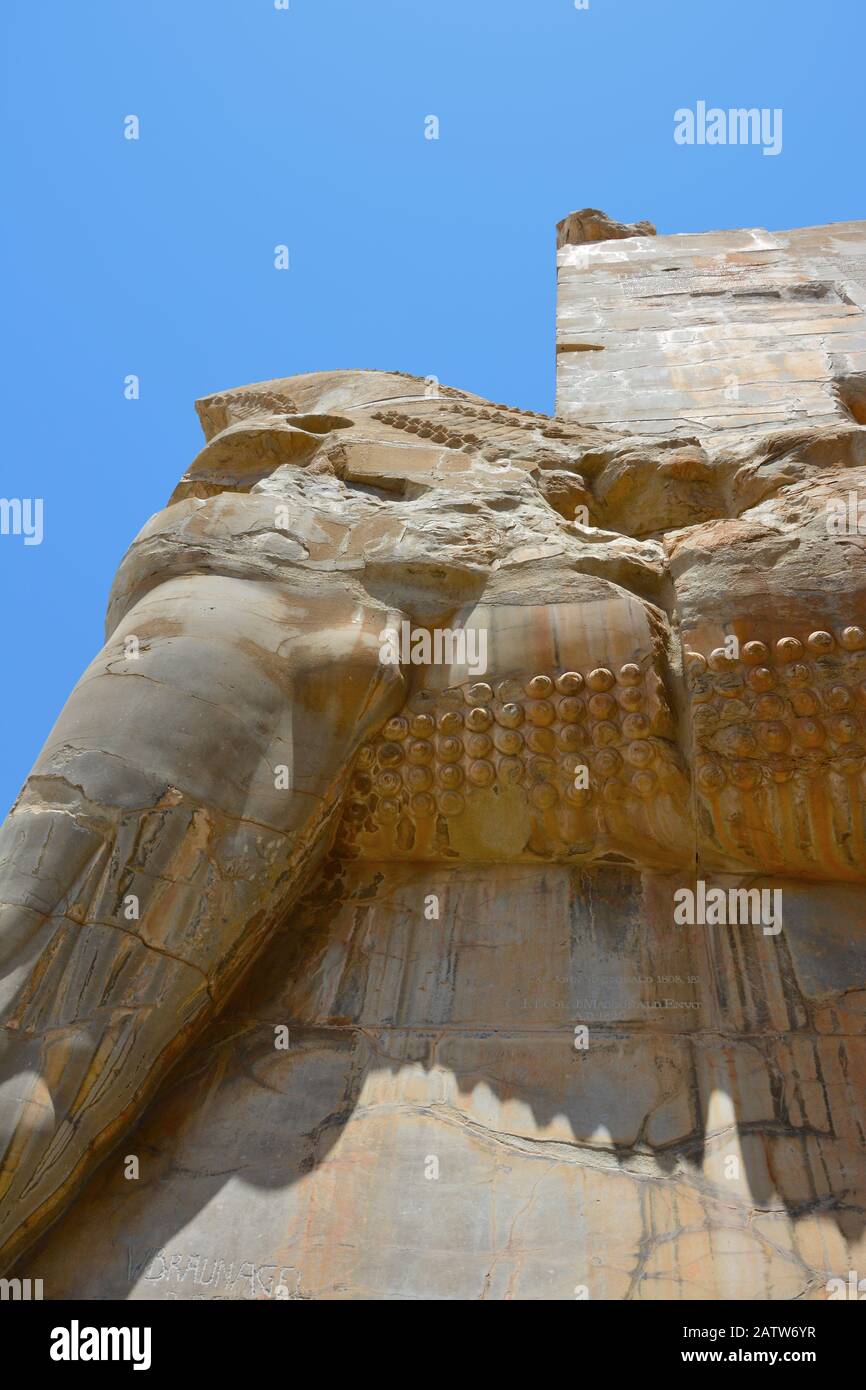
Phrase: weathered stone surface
pixel 590 224
pixel 630 669
pixel 453 1040
pixel 713 333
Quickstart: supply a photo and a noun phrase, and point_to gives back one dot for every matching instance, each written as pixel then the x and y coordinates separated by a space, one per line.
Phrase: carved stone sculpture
pixel 378 885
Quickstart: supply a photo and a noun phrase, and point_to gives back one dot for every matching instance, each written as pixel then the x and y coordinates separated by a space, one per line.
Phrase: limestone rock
pixel 589 224
pixel 347 889
pixel 713 334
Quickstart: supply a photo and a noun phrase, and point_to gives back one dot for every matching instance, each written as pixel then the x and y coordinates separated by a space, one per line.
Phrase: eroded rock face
pixel 590 224
pixel 713 333
pixel 427 729
pixel 453 1041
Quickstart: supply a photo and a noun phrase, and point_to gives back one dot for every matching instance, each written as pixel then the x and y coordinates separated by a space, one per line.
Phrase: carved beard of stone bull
pixel 473 1016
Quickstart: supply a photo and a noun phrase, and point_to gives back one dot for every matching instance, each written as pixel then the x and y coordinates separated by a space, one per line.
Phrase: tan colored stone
pixel 437 872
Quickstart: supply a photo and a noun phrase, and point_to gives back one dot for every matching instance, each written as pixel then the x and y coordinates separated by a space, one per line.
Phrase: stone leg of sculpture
pixel 186 792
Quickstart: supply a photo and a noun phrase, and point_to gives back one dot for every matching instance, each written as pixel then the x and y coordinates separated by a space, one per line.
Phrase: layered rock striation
pixel 379 884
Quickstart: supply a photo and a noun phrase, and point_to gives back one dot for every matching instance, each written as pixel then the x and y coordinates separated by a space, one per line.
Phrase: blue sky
pixel 306 127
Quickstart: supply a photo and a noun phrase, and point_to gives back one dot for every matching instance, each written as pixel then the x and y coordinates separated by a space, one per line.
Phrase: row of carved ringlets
pixel 793 706
pixel 533 734
pixel 464 440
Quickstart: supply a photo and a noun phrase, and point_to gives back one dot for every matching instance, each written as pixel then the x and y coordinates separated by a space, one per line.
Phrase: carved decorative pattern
pixel 531 734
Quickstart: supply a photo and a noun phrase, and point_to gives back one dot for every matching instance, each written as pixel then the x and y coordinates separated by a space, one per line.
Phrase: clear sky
pixel 306 127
